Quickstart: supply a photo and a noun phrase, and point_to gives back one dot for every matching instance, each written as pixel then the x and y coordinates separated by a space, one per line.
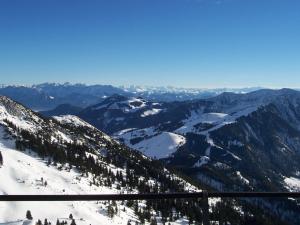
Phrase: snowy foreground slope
pixel 22 173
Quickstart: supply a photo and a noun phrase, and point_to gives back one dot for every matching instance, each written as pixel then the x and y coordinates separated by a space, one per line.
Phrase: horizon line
pixel 2 85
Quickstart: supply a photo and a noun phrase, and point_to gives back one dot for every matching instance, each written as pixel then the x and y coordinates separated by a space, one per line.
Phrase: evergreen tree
pixel 1 159
pixel 28 215
pixel 110 211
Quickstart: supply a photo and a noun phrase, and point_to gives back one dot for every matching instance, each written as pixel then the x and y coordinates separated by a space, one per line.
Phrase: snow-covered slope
pixel 18 115
pixel 292 183
pixel 151 143
pixel 73 120
pixel 26 173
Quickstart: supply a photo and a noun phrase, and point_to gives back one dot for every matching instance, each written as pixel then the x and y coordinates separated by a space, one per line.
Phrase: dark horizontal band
pixel 120 197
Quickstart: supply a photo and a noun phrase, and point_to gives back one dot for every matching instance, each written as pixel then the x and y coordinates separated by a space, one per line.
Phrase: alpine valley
pixel 129 142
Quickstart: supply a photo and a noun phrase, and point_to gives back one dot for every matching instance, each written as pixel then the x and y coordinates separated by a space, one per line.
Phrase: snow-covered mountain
pixel 199 134
pixel 66 155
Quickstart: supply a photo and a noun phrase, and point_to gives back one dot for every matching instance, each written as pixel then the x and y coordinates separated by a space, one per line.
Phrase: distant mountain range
pixel 49 95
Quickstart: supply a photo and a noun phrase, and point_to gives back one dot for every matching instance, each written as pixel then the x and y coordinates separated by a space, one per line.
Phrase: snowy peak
pixel 11 107
pixel 72 120
pixel 18 115
pixel 60 130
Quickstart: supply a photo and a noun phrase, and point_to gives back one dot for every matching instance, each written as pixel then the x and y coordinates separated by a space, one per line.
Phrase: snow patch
pixel 151 112
pixel 161 145
pixel 72 120
pixel 292 183
pixel 202 161
pixel 241 178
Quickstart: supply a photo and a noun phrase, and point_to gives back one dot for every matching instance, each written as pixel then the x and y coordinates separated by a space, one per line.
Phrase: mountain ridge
pixel 198 117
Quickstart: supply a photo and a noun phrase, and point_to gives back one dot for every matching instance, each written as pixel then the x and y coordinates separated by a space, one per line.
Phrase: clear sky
pixel 185 43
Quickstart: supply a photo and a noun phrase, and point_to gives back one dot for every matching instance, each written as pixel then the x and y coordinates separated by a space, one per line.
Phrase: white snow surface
pixel 198 117
pixel 151 112
pixel 161 145
pixel 292 183
pixel 77 122
pixel 74 120
pixel 217 120
pixel 16 120
pixel 153 144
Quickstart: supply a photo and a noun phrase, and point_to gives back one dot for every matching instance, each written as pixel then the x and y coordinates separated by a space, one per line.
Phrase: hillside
pixel 229 142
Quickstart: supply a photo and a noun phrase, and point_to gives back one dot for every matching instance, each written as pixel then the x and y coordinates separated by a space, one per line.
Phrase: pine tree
pixel 110 211
pixel 28 215
pixel 1 159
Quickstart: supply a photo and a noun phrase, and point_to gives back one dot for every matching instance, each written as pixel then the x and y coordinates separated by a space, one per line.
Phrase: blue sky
pixel 185 43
